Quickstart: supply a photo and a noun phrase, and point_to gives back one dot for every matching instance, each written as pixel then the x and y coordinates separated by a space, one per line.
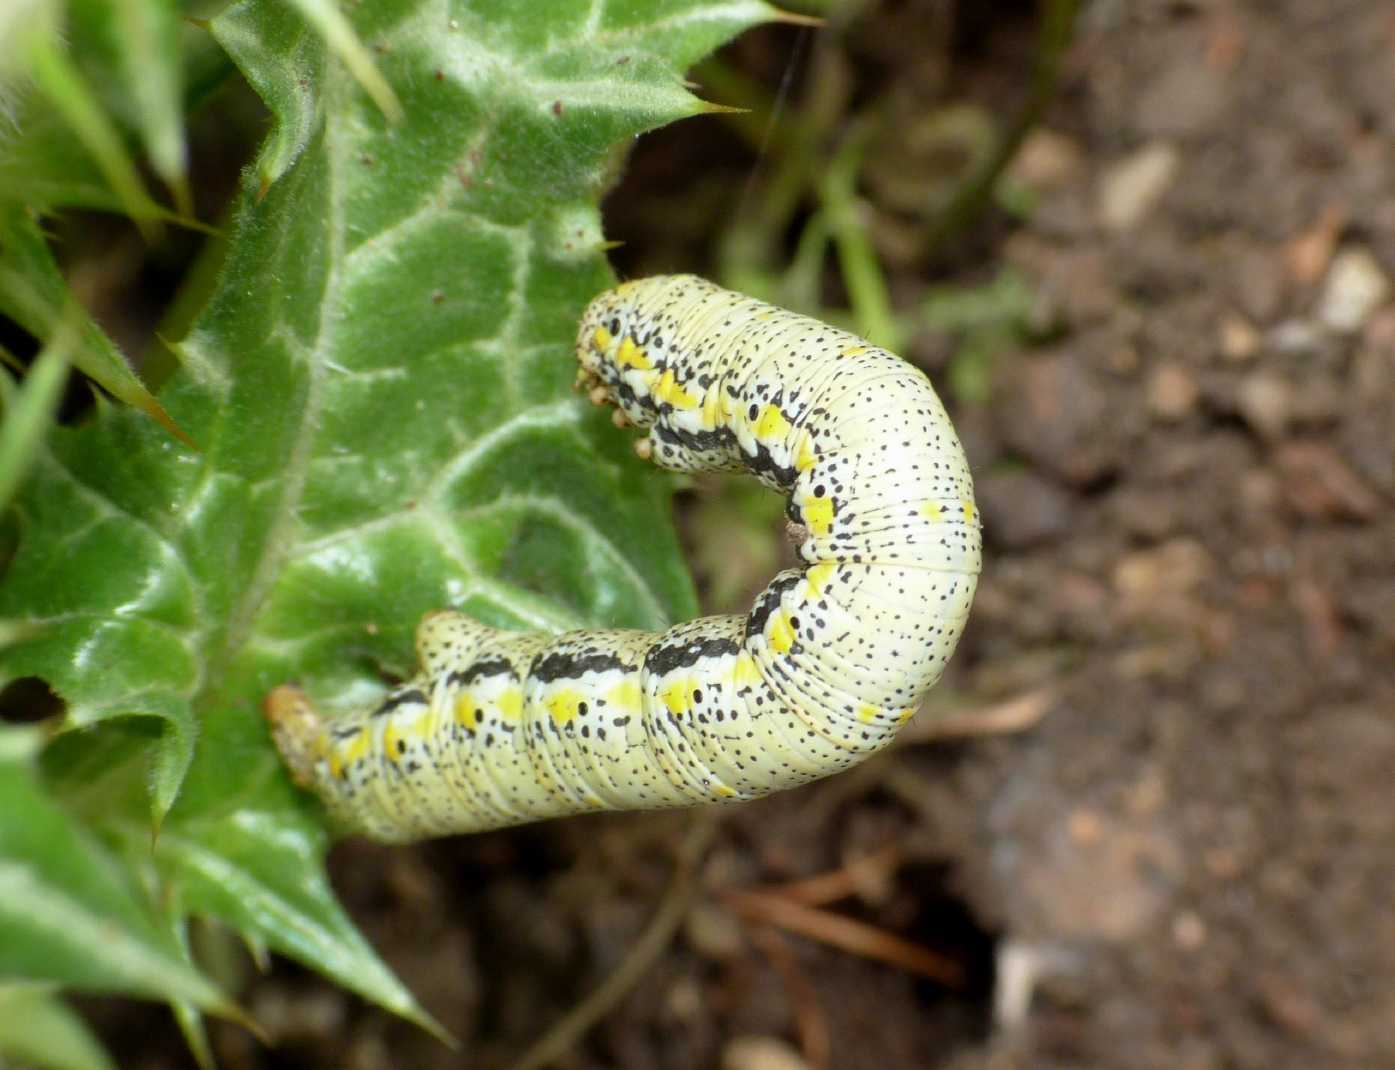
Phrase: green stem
pixel 61 82
pixel 862 271
pixel 1053 37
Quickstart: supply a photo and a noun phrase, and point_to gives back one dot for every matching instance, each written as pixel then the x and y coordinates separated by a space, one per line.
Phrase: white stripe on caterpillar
pixel 501 727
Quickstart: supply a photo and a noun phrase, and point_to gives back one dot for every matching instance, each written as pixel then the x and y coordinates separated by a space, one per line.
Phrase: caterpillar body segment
pixel 502 727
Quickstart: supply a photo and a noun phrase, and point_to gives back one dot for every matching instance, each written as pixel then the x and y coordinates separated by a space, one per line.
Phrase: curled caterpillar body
pixel 504 727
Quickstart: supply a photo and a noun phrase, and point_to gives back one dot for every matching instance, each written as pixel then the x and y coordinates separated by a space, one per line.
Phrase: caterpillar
pixel 501 728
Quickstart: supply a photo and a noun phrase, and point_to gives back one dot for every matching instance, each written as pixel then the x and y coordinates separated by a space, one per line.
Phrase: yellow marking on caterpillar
pixel 625 695
pixel 807 457
pixel 905 715
pixel 745 673
pixel 467 711
pixel 601 338
pixel 510 704
pixel 853 351
pixel 771 425
pixel 724 792
pixel 677 696
pixel 631 356
pixel 968 508
pixel 336 765
pixel 564 705
pixel 818 515
pixel 357 748
pixel 781 635
pixel 933 511
pixel 668 390
pixel 391 738
pixel 712 408
pixel 818 576
pixel 867 714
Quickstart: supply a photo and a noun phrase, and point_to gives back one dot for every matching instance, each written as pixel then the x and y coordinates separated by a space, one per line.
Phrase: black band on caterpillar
pixel 506 727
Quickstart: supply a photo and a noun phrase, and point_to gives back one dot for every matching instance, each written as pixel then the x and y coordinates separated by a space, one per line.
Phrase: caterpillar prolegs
pixel 504 727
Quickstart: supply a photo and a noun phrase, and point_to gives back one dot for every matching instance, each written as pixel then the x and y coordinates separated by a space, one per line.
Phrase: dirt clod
pixel 1057 412
pixel 1021 509
pixel 1318 483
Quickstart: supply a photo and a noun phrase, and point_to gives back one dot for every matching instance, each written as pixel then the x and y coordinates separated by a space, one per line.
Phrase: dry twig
pixel 845 933
pixel 1016 714
pixel 853 877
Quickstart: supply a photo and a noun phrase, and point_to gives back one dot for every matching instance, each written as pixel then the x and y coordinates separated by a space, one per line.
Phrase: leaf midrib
pixel 279 540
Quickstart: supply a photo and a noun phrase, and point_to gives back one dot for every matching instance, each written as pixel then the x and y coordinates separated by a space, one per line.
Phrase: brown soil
pixel 1189 495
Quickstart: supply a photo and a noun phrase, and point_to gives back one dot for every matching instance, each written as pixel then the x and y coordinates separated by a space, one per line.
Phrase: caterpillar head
pixel 613 366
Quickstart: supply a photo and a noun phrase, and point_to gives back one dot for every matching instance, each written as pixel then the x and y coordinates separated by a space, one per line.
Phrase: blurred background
pixel 1144 249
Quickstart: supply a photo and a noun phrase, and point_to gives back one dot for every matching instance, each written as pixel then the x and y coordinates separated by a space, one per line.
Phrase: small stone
pixel 1130 188
pixel 761 1053
pixel 1239 341
pixel 1172 392
pixel 1265 401
pixel 1188 930
pixel 1356 286
pixel 1047 160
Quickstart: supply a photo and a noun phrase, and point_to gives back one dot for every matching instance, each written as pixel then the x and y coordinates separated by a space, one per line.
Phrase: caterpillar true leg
pixel 503 727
